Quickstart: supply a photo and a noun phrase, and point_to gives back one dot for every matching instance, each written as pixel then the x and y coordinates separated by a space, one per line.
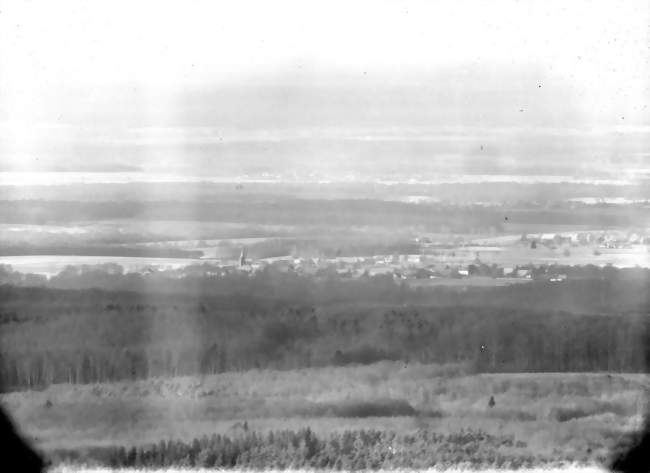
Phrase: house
pixel 421 273
pixel 282 264
pixel 443 270
pixel 322 263
pixel 524 273
pixel 346 260
pixel 306 266
pixel 413 273
pixel 378 270
pixel 360 272
pixel 414 259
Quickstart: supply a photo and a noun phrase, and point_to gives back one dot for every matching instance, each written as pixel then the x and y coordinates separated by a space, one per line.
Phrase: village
pixel 524 258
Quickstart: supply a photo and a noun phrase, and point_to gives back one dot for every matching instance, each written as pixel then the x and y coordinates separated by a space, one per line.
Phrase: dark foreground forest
pixel 350 450
pixel 597 321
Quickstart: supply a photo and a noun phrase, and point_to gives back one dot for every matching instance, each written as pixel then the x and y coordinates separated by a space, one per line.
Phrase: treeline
pixel 85 336
pixel 206 278
pixel 505 342
pixel 345 451
pixel 589 289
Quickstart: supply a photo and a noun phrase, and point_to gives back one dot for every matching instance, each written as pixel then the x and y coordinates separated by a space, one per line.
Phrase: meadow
pixel 436 415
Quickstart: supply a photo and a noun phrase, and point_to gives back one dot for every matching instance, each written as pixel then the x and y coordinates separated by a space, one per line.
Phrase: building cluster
pixel 451 260
pixel 395 266
pixel 618 240
pixel 606 239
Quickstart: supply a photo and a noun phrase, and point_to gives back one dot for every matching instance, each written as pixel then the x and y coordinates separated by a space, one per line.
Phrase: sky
pixel 206 85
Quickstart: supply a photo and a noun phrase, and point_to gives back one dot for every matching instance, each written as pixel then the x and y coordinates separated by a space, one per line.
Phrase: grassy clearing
pixel 570 417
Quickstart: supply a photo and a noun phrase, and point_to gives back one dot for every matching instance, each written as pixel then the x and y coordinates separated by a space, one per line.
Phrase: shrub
pixel 376 408
pixel 511 415
pixel 566 413
pixel 364 355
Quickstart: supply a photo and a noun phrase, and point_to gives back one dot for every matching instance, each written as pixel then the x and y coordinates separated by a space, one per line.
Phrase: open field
pixel 519 254
pixel 50 265
pixel 503 256
pixel 474 281
pixel 564 417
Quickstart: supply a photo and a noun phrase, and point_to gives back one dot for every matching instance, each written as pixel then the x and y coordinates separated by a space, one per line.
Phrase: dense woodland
pixel 198 325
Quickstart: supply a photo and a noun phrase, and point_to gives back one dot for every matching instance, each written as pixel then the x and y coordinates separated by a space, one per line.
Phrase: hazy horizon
pixel 422 86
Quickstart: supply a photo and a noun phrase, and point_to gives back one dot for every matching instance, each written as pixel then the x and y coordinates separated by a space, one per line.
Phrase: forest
pixel 199 324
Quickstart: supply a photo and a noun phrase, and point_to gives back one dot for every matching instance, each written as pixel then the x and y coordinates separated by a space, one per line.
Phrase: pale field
pixel 519 254
pixel 50 265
